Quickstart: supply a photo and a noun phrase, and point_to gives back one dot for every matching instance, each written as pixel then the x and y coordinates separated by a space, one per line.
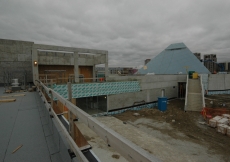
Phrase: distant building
pixel 210 62
pixel 117 70
pixel 147 60
pixel 197 55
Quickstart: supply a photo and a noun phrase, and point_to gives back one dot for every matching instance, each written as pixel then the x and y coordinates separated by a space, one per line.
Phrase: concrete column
pixel 76 67
pixel 107 99
pixel 52 100
pixel 106 66
pixel 70 114
pixel 35 67
pixel 94 73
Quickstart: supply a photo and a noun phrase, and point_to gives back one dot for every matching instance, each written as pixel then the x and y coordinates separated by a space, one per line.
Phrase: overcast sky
pixel 131 30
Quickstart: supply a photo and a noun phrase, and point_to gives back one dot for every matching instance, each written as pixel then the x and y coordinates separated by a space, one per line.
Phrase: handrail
pixel 186 95
pixel 69 139
pixel 125 147
pixel 202 90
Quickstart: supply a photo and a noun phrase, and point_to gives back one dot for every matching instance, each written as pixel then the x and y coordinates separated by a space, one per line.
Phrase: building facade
pixel 57 64
pixel 210 62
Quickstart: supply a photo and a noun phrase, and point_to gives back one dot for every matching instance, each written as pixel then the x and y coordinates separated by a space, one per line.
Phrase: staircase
pixel 194 95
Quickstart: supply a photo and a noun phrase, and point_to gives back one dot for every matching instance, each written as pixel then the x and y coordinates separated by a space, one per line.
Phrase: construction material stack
pixel 222 123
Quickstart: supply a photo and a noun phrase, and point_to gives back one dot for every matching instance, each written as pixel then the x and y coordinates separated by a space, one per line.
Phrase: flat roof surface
pixel 24 122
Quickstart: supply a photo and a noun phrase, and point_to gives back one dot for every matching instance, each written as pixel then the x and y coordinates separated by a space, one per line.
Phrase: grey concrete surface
pixel 194 98
pixel 150 135
pixel 219 82
pixel 99 146
pixel 22 124
pixel 151 87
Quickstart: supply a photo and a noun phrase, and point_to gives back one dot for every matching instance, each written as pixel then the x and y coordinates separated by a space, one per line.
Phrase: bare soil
pixel 187 124
pixel 218 101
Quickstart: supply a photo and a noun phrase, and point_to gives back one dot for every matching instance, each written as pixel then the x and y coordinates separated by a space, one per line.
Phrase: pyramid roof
pixel 175 59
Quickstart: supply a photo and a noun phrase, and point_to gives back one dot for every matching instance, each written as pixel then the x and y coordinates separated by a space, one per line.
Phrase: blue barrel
pixel 162 103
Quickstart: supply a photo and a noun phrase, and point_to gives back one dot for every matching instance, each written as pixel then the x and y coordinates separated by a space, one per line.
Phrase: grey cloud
pixel 131 31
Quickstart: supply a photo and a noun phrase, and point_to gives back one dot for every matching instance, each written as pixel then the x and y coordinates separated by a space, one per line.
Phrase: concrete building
pixel 210 62
pixel 223 67
pixel 116 70
pixel 15 60
pixel 48 63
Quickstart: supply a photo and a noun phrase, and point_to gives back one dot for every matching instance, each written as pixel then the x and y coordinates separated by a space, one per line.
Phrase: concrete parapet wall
pixel 15 58
pixel 219 82
pixel 62 58
pixel 151 89
pixel 136 98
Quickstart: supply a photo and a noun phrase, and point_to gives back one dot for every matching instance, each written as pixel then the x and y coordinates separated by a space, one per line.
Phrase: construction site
pixel 60 104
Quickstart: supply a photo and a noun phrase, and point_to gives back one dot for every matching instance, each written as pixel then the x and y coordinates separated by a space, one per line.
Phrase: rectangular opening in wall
pixel 87 72
pixel 181 89
pixel 56 74
pixel 92 105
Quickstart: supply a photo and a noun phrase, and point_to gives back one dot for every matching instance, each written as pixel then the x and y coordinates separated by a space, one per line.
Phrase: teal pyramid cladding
pixel 174 60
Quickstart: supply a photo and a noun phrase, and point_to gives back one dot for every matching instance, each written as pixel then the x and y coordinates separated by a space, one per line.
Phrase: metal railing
pixel 186 95
pixel 126 148
pixel 202 90
pixel 66 134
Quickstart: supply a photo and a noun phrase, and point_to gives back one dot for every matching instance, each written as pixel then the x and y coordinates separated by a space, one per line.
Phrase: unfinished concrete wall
pixel 227 81
pixel 151 89
pixel 59 55
pixel 62 58
pixel 219 82
pixel 15 58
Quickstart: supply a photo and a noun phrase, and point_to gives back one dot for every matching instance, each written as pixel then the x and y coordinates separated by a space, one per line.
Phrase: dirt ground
pixel 217 101
pixel 185 126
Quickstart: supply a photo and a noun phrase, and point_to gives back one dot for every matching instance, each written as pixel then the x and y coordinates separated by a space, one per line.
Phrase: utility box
pixel 195 75
pixel 190 74
pixel 162 103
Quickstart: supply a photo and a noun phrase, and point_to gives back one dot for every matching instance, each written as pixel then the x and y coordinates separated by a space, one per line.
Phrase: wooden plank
pixel 8 91
pixel 69 139
pixel 17 149
pixel 14 95
pixel 60 105
pixel 56 108
pixel 8 100
pixel 87 71
pixel 79 138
